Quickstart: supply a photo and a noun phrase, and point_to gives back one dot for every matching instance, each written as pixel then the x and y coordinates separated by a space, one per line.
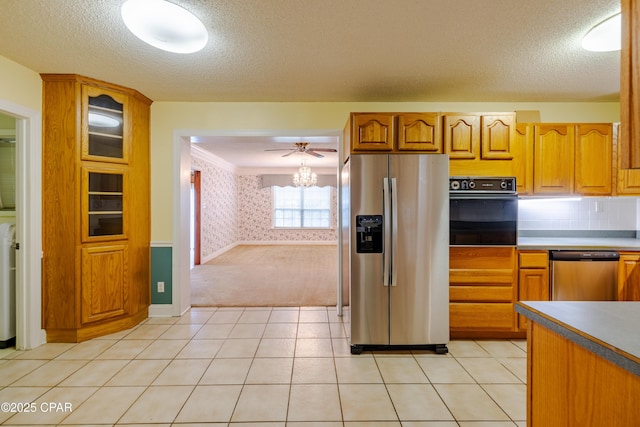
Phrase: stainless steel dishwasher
pixel 584 275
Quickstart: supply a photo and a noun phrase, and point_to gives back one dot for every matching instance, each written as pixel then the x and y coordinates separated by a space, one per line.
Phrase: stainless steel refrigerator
pixel 395 236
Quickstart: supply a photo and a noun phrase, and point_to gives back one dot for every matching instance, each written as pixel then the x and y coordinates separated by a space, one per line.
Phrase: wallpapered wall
pixel 256 218
pixel 219 207
pixel 236 209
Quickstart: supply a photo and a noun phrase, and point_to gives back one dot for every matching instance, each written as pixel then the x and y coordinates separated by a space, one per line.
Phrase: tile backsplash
pixel 574 214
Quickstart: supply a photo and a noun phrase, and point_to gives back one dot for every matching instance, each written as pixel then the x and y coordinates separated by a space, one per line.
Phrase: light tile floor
pixel 267 367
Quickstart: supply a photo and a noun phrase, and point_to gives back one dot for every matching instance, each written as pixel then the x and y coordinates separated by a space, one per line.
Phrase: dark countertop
pixel 608 329
pixel 579 243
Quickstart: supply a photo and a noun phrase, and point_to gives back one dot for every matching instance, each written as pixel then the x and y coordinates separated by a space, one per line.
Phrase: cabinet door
pixel 629 277
pixel 533 286
pixel 104 203
pixel 628 182
pixel 594 151
pixel 420 132
pixel 104 282
pixel 373 132
pixel 461 136
pixel 553 163
pixel 523 158
pixel 498 135
pixel 105 125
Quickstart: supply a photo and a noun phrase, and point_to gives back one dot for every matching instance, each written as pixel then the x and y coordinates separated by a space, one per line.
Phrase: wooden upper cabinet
pixel 394 132
pixel 523 158
pixel 498 135
pixel 420 132
pixel 105 125
pixel 629 143
pixel 593 164
pixel 479 136
pixel 461 136
pixel 372 132
pixel 104 193
pixel 554 154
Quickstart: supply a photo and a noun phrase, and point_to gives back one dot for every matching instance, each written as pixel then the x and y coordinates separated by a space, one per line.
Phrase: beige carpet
pixel 261 275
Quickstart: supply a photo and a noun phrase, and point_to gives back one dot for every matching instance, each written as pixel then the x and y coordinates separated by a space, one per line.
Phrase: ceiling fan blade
pixel 289 153
pixel 277 149
pixel 314 154
pixel 328 150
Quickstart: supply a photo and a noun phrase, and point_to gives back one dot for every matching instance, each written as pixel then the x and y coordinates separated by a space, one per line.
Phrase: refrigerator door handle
pixel 394 229
pixel 386 255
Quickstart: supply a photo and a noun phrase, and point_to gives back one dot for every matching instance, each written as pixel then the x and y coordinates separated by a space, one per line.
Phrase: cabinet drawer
pixel 481 293
pixel 538 259
pixel 469 316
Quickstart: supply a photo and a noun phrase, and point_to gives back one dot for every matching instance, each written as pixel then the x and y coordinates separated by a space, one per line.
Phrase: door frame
pixel 29 333
pixel 196 181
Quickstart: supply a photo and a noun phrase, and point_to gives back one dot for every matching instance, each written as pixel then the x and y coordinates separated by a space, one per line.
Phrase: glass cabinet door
pixel 104 204
pixel 105 135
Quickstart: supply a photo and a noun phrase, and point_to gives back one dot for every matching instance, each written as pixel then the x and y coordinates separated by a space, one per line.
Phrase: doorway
pixel 7 231
pixel 182 212
pixel 28 219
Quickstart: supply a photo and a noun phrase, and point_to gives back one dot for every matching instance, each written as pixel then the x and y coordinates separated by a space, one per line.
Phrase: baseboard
pixel 161 310
pixel 204 260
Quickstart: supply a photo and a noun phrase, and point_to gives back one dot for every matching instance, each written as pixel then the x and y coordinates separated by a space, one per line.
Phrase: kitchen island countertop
pixel 583 363
pixel 608 329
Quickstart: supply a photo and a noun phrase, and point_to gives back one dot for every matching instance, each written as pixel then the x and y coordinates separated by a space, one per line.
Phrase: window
pixel 302 207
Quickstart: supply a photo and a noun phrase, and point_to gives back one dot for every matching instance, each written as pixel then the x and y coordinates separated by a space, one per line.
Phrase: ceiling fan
pixel 303 147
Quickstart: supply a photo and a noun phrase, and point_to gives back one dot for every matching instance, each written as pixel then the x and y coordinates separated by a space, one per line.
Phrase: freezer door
pixel 368 298
pixel 419 296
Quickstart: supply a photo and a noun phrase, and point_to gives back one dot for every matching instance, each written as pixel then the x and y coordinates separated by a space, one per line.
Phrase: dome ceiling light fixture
pixel 604 37
pixel 164 25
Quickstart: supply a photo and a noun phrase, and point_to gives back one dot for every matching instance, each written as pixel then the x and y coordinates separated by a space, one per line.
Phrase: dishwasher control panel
pixel 571 255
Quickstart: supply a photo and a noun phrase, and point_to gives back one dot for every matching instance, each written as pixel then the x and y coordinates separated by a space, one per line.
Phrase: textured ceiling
pixel 331 50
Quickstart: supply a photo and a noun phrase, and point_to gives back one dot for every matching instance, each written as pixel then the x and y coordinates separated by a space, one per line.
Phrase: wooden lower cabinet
pixel 629 276
pixel 104 282
pixel 568 385
pixel 483 289
pixel 533 279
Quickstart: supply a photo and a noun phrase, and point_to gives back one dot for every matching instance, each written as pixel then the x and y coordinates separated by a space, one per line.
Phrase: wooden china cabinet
pixel 96 208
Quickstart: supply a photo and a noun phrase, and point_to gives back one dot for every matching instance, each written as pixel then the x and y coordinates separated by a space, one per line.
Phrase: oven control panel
pixel 505 185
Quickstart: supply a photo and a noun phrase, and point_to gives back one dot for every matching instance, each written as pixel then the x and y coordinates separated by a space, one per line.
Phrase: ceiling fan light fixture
pixel 604 37
pixel 164 25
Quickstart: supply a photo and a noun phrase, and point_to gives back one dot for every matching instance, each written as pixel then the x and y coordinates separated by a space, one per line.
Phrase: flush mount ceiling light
pixel 604 37
pixel 164 25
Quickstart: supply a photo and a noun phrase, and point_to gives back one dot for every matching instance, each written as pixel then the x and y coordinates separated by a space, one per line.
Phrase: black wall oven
pixel 483 211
